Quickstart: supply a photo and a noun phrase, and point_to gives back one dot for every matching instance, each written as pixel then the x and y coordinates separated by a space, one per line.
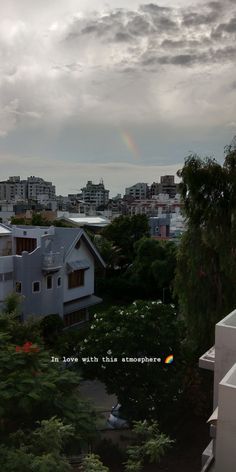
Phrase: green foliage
pixel 206 266
pixel 149 443
pixel 40 450
pixel 154 266
pixel 92 463
pixel 124 231
pixel 32 388
pixel 143 329
pixel 12 304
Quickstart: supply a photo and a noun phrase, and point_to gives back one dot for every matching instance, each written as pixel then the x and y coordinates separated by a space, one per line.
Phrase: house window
pixel 78 316
pixel 76 278
pixel 18 287
pixel 59 281
pixel 36 287
pixel 49 282
pixel 25 244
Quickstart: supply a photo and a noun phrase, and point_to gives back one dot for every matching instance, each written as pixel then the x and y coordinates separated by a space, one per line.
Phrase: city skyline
pixel 123 93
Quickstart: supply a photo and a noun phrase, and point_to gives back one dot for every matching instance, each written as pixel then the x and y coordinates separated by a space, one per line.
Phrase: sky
pixel 119 90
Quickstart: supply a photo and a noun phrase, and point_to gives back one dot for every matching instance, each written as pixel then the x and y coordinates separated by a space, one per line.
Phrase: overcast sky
pixel 114 91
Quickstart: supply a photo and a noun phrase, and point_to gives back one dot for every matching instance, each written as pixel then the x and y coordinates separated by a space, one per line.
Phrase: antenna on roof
pixel 101 181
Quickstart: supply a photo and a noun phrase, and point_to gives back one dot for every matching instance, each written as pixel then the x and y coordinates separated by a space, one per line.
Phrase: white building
pixel 138 191
pixel 95 194
pixel 220 455
pixel 51 268
pixel 14 189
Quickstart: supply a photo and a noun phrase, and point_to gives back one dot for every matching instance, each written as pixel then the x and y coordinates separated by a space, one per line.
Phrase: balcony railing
pixel 52 262
pixel 207 360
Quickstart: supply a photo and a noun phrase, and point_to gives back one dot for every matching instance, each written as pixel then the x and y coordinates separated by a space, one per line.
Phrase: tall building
pixel 138 191
pixel 34 188
pixel 167 185
pixel 95 194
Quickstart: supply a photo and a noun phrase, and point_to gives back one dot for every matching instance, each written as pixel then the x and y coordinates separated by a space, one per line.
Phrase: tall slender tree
pixel 206 262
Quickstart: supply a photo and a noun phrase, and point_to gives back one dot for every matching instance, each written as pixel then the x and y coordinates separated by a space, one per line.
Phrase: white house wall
pixel 6 266
pixel 88 288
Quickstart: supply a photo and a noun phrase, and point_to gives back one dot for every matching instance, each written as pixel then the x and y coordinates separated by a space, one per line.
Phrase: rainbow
pixel 130 143
pixel 169 359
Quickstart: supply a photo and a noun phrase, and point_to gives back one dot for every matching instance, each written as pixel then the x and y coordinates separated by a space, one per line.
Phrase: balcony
pixel 52 262
pixel 207 360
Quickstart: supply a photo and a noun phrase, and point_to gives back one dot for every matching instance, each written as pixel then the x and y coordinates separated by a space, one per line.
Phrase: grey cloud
pixel 121 37
pixel 152 8
pixel 195 19
pixel 229 27
pixel 180 59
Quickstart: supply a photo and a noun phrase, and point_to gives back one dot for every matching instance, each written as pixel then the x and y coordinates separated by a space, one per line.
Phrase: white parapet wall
pixel 225 454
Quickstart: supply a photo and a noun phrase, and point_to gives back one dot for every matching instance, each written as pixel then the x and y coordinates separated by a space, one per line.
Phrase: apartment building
pixel 95 194
pixel 220 454
pixel 167 186
pixel 34 188
pixel 138 191
pixel 51 268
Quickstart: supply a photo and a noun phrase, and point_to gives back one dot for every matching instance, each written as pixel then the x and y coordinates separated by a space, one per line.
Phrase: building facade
pixel 220 454
pixel 34 188
pixel 138 191
pixel 95 194
pixel 52 269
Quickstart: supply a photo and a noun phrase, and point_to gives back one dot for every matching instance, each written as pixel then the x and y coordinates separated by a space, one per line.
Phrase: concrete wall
pixel 225 350
pixel 225 456
pixel 28 269
pixel 6 286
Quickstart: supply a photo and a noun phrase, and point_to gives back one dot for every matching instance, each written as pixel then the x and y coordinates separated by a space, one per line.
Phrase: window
pixel 59 281
pixel 78 316
pixel 49 282
pixel 36 287
pixel 18 287
pixel 76 278
pixel 25 244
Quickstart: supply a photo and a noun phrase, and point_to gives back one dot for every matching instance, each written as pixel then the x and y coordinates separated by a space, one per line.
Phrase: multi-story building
pixel 34 188
pixel 138 191
pixel 167 185
pixel 220 454
pixel 51 268
pixel 38 189
pixel 95 194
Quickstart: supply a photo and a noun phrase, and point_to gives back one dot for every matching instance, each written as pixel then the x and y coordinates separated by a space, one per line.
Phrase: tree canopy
pixel 206 262
pixel 124 231
pixel 140 330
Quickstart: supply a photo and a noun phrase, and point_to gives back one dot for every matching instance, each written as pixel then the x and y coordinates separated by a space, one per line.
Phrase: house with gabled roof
pixel 52 269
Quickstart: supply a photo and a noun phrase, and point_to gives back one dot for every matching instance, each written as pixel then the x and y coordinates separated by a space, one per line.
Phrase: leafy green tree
pixel 206 265
pixel 124 231
pixel 141 330
pixel 40 450
pixel 32 388
pixel 153 267
pixel 92 463
pixel 149 443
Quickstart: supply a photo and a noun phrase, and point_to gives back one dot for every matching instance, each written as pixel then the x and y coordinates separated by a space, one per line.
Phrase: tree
pixel 149 443
pixel 124 231
pixel 141 330
pixel 33 389
pixel 92 463
pixel 153 267
pixel 39 450
pixel 206 262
